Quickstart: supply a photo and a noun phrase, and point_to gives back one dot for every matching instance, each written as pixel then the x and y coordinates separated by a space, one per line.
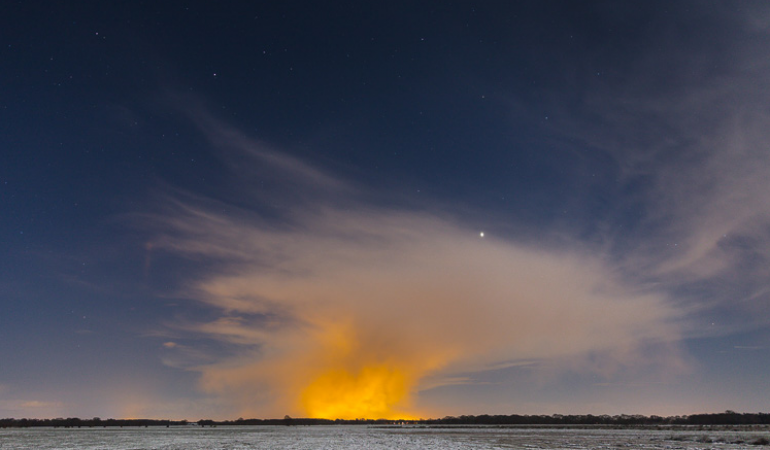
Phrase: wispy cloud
pixel 689 149
pixel 260 163
pixel 341 292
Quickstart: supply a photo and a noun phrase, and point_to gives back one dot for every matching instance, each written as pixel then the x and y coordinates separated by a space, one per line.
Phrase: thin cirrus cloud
pixel 695 148
pixel 339 292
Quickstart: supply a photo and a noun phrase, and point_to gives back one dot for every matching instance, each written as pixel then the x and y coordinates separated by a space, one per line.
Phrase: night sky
pixel 384 209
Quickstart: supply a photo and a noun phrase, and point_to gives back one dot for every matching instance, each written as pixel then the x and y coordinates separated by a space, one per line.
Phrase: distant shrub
pixel 760 441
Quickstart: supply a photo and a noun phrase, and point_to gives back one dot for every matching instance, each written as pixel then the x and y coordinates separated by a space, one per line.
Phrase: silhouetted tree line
pixel 725 418
pixel 74 422
pixel 309 421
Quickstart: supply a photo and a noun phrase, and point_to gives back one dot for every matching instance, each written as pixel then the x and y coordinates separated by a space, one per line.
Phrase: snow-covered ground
pixel 362 437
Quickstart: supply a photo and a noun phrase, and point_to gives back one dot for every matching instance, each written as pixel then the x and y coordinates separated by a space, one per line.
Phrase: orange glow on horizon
pixel 371 393
pixel 352 373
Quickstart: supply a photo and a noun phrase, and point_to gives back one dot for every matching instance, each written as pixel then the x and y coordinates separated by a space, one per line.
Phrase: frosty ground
pixel 390 437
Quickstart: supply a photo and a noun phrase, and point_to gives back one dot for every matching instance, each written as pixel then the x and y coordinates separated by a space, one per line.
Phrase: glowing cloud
pixel 342 312
pixel 341 309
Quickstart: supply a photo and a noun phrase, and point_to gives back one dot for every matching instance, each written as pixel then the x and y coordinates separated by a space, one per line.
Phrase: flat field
pixel 386 437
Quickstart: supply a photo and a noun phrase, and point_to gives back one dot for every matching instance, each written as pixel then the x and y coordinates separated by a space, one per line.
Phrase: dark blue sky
pixel 197 199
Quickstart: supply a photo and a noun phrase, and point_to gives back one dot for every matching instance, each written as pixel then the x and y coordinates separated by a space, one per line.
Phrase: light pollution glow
pixel 372 392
